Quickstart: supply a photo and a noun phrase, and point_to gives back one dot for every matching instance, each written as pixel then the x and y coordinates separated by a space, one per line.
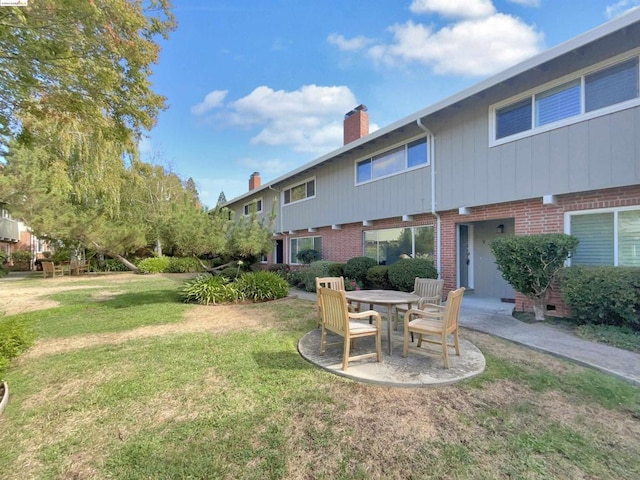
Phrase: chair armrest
pixel 366 314
pixel 428 301
pixel 435 311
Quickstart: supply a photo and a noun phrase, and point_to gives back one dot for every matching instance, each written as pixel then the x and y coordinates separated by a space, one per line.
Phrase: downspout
pixel 284 244
pixel 432 158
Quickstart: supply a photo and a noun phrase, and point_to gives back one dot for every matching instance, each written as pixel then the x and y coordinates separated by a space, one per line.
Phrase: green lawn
pixel 126 382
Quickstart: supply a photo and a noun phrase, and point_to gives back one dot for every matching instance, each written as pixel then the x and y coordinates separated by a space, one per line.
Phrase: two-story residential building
pixel 549 145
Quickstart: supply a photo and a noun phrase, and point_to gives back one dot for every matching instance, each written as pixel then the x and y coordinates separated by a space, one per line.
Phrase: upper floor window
pixel 573 100
pixel 398 159
pixel 306 189
pixel 254 206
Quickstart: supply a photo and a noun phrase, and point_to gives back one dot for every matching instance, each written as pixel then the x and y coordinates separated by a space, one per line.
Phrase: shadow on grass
pixel 133 299
pixel 281 361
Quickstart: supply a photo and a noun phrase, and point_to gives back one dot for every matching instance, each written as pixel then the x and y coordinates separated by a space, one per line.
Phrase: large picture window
pixel 396 160
pixel 303 243
pixel 609 237
pixel 582 97
pixel 386 246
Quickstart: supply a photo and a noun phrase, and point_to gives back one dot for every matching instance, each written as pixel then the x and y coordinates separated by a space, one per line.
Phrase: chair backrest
pixel 334 283
pixel 452 310
pixel 47 266
pixel 334 310
pixel 429 288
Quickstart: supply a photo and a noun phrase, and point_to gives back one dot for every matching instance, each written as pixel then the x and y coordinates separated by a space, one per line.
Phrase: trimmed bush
pixel 281 269
pixel 109 265
pixel 357 267
pixel 153 265
pixel 262 286
pixel 530 262
pixel 336 270
pixel 378 277
pixel 183 265
pixel 602 295
pixel 403 273
pixel 308 255
pixel 21 256
pixel 15 338
pixel 314 270
pixel 206 289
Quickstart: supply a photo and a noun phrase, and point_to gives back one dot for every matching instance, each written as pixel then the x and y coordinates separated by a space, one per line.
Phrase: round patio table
pixel 387 298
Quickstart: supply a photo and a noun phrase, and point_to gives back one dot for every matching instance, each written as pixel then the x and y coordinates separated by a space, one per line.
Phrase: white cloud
pixel 454 8
pixel 213 100
pixel 269 168
pixel 308 119
pixel 350 45
pixel 621 7
pixel 470 47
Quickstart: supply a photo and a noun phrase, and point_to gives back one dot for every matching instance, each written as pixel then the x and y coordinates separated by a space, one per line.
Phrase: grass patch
pixel 235 400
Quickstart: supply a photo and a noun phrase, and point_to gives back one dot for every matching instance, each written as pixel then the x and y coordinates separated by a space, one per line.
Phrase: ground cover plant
pixel 192 391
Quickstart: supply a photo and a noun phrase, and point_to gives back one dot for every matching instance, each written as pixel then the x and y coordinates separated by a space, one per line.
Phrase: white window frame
pixel 580 74
pixel 406 168
pixel 614 210
pixel 246 208
pixel 303 182
pixel 294 261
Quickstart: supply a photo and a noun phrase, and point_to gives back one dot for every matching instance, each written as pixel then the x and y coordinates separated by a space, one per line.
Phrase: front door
pixel 464 256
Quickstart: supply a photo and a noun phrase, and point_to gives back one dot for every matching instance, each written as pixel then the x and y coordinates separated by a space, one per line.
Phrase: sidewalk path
pixel 494 318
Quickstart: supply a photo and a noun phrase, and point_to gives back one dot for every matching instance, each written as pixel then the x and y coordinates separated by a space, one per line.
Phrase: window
pixel 568 102
pixel 396 160
pixel 303 243
pixel 386 246
pixel 610 237
pixel 252 207
pixel 300 192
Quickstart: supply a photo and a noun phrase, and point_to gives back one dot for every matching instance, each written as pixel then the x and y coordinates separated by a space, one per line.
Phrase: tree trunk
pixel 539 307
pixel 158 249
pixel 125 262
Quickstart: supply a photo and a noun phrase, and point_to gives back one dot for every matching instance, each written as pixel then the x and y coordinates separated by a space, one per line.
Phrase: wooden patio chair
pixel 337 318
pixel 435 321
pixel 76 267
pixel 50 269
pixel 334 283
pixel 428 289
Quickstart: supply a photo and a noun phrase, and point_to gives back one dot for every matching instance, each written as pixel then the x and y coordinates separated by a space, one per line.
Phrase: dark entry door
pixel 464 256
pixel 279 251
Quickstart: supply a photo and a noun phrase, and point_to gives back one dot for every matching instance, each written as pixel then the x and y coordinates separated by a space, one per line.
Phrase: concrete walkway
pixel 494 317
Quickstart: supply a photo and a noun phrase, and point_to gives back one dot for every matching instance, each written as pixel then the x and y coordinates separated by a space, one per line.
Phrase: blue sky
pixel 263 85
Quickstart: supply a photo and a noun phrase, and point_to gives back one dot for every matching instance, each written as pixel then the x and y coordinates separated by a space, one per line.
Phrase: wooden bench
pixel 77 267
pixel 50 269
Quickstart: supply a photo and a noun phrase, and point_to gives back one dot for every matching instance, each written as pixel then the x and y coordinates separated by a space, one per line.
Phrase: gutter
pixel 432 158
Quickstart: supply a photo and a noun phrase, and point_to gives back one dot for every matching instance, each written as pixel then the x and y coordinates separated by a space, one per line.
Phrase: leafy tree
pixel 222 199
pixel 530 262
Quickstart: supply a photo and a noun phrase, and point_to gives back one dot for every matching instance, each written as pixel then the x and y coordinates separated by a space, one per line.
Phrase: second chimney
pixel 254 181
pixel 356 124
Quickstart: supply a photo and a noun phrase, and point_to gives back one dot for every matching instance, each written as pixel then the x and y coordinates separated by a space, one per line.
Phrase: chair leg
pixel 419 340
pixel 445 352
pixel 323 341
pixel 456 341
pixel 345 359
pixel 405 346
pixel 379 346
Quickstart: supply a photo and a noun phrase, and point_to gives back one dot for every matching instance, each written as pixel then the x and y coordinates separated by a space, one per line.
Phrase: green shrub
pixel 15 338
pixel 378 277
pixel 530 262
pixel 314 270
pixel 153 265
pixel 308 255
pixel 403 273
pixel 230 273
pixel 21 256
pixel 296 278
pixel 109 265
pixel 262 286
pixel 602 295
pixel 183 265
pixel 357 267
pixel 206 289
pixel 281 269
pixel 336 270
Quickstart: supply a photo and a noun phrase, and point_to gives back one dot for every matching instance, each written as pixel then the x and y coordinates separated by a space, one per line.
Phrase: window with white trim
pixel 597 91
pixel 386 246
pixel 301 191
pixel 255 206
pixel 607 237
pixel 396 160
pixel 303 243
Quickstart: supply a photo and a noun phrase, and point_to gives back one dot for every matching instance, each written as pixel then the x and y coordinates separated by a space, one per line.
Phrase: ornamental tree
pixel 530 263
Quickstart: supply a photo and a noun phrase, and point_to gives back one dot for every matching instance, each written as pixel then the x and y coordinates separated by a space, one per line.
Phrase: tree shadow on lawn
pixel 133 299
pixel 281 361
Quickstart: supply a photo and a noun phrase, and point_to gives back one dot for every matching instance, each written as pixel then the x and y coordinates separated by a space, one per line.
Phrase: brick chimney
pixel 254 181
pixel 356 124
